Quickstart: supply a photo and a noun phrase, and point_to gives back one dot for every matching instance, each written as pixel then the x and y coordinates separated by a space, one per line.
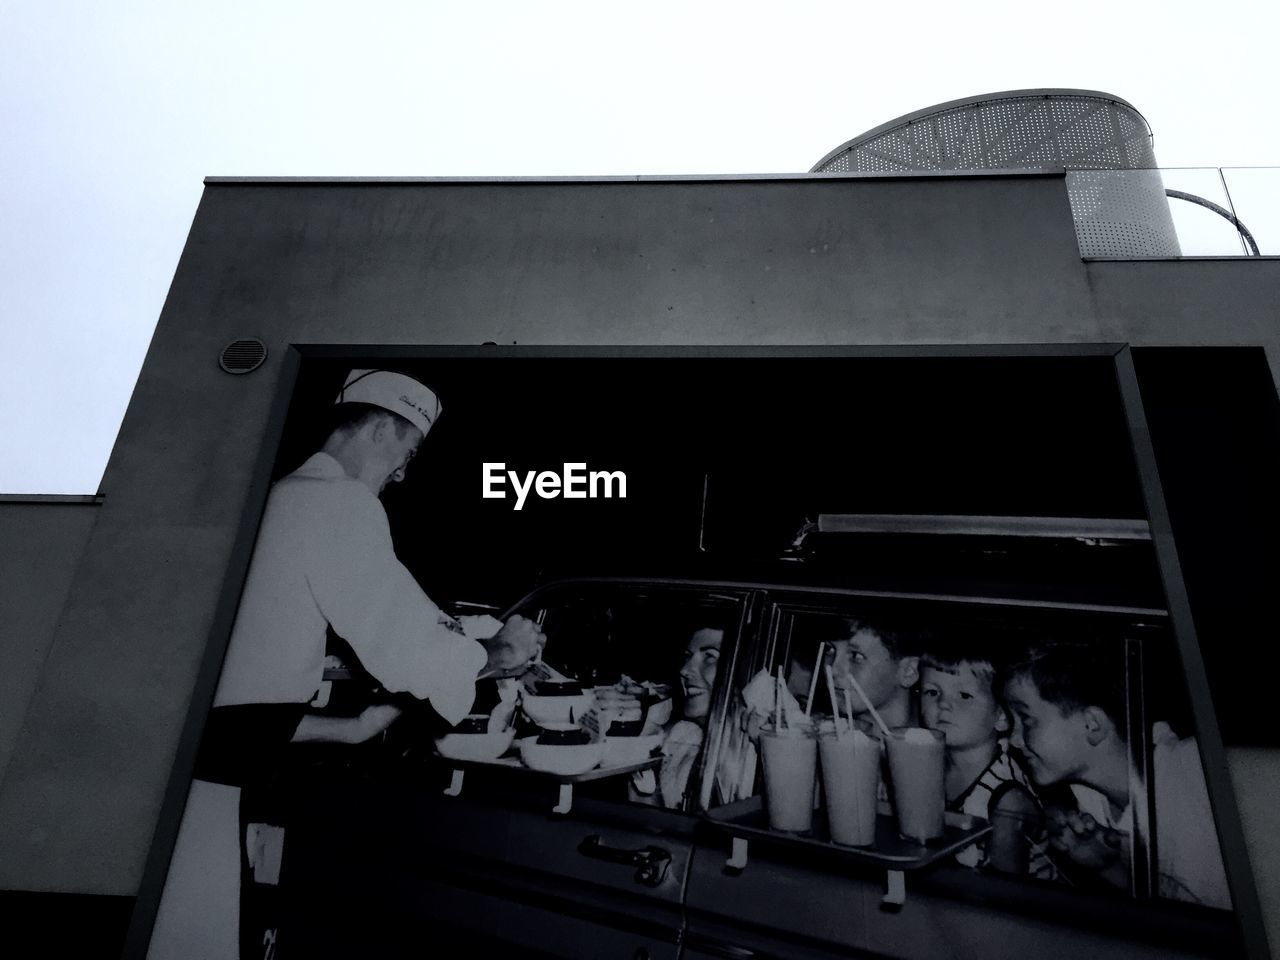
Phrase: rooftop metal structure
pixel 1118 214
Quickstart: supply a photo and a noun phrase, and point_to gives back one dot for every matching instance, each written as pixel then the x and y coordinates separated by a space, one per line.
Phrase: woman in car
pixel 683 737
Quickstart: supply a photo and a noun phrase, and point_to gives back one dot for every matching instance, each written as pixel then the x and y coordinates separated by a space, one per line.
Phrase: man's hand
pixel 617 702
pixel 513 647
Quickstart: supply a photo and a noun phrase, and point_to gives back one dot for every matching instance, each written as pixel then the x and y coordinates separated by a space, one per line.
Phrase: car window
pixel 647 662
pixel 1065 730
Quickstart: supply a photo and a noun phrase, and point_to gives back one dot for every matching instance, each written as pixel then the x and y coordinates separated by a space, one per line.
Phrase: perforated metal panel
pixel 1122 214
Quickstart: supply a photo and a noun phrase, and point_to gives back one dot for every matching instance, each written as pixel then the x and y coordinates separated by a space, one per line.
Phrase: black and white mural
pixel 592 655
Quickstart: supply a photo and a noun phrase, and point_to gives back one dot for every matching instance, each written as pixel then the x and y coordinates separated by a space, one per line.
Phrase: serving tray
pixel 746 820
pixel 511 763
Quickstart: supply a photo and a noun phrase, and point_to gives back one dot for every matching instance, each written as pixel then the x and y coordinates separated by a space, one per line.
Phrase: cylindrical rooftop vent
pixel 1118 214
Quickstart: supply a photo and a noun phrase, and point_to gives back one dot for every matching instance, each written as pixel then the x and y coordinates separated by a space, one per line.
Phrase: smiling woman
pixel 683 740
pixel 698 675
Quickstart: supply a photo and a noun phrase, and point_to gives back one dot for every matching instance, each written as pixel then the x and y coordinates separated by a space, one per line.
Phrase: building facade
pixel 314 269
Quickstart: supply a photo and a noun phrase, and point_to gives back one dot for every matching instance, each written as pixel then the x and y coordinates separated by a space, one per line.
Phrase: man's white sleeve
pixel 374 603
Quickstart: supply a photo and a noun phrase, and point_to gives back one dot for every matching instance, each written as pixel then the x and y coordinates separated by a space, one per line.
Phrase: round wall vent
pixel 243 356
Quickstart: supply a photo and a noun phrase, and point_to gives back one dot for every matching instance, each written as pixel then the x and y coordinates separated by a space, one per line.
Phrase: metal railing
pixel 1215 211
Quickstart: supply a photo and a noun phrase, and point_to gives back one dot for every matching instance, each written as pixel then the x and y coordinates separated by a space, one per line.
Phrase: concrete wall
pixel 43 539
pixel 1189 303
pixel 1255 774
pixel 810 260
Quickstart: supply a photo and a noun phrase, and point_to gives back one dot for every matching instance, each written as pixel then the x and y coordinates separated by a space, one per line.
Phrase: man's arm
pixel 316 728
pixel 372 601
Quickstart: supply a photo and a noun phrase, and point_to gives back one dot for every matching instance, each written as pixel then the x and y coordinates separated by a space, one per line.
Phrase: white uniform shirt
pixel 324 557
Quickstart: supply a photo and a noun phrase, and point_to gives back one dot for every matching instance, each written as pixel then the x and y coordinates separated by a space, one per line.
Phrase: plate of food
pixel 555 701
pixel 564 749
pixel 481 736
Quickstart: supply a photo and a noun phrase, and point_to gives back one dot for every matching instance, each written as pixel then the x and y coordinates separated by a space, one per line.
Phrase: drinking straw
pixel 813 681
pixel 747 773
pixel 865 699
pixel 779 719
pixel 835 701
pixel 848 702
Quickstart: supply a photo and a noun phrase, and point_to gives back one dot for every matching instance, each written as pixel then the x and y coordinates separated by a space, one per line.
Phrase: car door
pixel 500 857
pixel 775 894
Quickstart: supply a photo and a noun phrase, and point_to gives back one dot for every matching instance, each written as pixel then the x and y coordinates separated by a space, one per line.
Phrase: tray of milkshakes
pixel 888 848
pixel 833 788
pixel 552 727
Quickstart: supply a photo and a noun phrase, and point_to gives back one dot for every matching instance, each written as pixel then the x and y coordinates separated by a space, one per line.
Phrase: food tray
pixel 513 763
pixel 746 819
pixel 566 781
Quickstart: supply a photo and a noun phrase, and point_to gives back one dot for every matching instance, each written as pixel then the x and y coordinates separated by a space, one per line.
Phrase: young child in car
pixel 1068 706
pixel 958 699
pixel 883 657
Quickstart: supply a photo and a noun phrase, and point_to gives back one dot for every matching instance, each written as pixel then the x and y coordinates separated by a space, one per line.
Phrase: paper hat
pixel 396 392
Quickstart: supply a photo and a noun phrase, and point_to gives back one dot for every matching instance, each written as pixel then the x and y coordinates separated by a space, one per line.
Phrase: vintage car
pixel 409 852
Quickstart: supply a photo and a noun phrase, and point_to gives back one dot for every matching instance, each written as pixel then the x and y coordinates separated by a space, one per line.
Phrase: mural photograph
pixel 674 655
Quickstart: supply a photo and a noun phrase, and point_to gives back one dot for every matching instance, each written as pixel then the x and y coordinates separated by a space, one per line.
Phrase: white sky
pixel 112 113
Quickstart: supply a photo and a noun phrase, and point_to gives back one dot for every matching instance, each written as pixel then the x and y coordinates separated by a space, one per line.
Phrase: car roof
pixel 1115 576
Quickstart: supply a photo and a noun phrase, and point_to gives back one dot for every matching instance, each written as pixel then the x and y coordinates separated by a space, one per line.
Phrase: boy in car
pixel 958 699
pixel 882 657
pixel 1068 707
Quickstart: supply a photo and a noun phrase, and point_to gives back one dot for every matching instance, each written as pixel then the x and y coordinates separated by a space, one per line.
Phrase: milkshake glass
pixel 917 762
pixel 790 758
pixel 850 776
